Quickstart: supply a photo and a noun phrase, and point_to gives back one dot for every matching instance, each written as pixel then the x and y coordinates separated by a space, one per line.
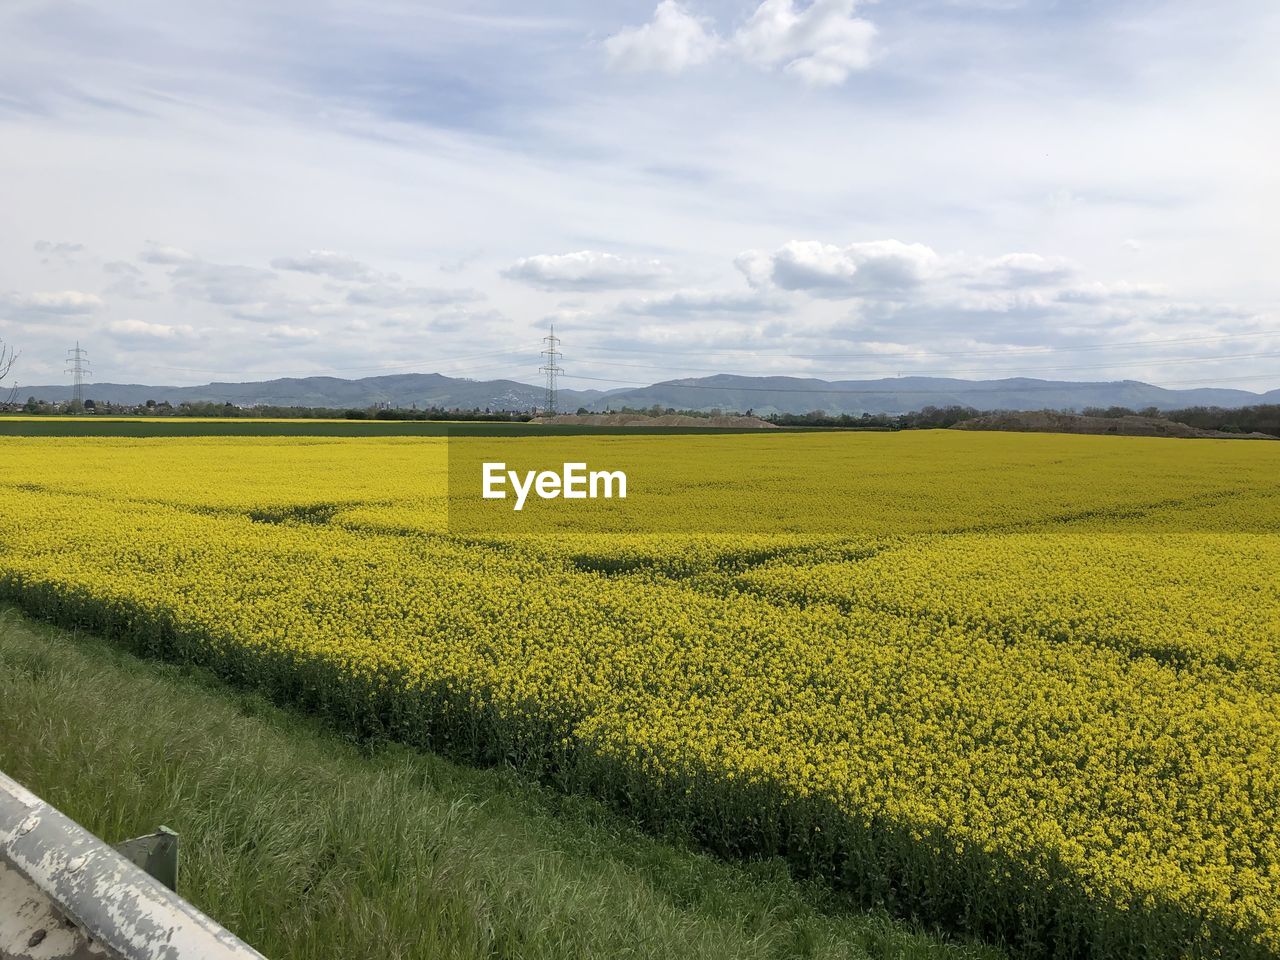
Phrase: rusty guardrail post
pixel 66 894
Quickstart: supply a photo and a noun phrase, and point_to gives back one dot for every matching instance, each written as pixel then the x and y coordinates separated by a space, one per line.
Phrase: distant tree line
pixel 430 413
pixel 926 418
pixel 656 410
pixel 164 408
pixel 1263 418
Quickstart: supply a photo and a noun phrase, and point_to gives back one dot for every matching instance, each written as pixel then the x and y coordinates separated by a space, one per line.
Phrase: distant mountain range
pixel 762 395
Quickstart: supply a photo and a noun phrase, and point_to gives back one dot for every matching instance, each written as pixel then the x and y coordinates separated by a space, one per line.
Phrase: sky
pixel 239 190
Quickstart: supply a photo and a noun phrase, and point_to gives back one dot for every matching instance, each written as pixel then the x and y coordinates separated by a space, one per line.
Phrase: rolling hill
pixel 727 392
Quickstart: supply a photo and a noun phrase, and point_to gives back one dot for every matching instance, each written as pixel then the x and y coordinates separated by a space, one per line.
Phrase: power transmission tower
pixel 77 366
pixel 551 368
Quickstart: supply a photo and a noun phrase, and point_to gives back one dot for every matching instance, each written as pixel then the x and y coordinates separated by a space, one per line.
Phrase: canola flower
pixel 990 695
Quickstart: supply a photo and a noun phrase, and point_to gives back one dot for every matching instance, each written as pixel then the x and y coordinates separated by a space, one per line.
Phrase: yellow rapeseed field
pixel 1024 686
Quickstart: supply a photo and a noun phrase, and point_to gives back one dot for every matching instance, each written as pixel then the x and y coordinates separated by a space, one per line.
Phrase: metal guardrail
pixel 66 894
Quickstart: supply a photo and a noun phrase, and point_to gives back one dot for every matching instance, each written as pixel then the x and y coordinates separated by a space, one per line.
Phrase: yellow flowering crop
pixel 1024 686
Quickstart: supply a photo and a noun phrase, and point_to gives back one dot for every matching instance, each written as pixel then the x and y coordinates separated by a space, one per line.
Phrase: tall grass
pixel 307 845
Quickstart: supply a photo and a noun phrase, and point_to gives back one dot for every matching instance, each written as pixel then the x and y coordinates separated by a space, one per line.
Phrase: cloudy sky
pixel 1081 189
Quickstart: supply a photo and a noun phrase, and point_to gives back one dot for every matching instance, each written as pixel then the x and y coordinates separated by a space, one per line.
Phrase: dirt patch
pixel 1134 426
pixel 669 420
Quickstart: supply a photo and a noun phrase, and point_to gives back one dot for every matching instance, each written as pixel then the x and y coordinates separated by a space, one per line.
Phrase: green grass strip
pixel 307 845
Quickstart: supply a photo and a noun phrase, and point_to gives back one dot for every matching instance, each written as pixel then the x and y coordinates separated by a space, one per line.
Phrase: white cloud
pixel 1022 270
pixel 671 42
pixel 821 44
pixel 756 266
pixel 63 303
pixel 57 246
pixel 287 331
pixel 995 6
pixel 704 302
pixel 164 255
pixel 224 284
pixel 1096 291
pixel 144 330
pixel 329 263
pixel 470 322
pixel 279 309
pixel 586 270
pixel 993 302
pixel 129 282
pixel 63 250
pixel 868 269
pixel 897 286
pixel 389 296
